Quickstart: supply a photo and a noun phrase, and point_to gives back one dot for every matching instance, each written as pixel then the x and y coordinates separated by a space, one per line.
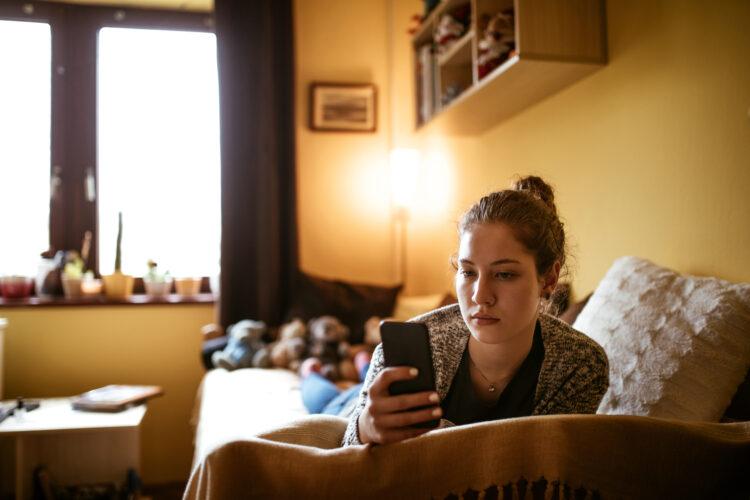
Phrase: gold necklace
pixel 490 384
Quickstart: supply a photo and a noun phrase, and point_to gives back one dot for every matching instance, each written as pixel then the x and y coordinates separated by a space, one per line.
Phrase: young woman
pixel 495 354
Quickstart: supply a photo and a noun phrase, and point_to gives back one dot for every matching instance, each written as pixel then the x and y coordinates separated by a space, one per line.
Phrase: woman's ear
pixel 549 281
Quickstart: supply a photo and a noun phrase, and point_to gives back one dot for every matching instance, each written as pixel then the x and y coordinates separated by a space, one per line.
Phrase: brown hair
pixel 529 209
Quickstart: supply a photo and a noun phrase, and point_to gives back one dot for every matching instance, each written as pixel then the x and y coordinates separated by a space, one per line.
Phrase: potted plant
pixel 117 285
pixel 90 286
pixel 72 275
pixel 158 284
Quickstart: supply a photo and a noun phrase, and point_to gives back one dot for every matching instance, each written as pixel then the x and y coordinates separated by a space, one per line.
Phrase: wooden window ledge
pixel 133 300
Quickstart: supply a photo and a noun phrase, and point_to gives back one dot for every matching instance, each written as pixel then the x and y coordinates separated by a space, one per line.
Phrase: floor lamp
pixel 405 168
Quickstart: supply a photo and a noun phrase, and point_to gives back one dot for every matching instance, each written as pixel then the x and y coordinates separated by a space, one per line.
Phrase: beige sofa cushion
pixel 678 346
pixel 242 404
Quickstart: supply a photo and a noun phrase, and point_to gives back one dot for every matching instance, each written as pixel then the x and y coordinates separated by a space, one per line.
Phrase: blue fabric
pixel 317 391
pixel 320 395
pixel 341 401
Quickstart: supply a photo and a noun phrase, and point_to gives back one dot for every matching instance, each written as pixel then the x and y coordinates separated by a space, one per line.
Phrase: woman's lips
pixel 484 319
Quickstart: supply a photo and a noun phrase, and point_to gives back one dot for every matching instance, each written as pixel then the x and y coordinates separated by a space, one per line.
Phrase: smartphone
pixel 408 344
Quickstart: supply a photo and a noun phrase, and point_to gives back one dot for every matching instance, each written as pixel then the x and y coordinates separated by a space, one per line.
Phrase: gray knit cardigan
pixel 573 378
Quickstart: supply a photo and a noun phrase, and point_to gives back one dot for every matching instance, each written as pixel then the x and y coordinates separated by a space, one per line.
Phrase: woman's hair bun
pixel 537 188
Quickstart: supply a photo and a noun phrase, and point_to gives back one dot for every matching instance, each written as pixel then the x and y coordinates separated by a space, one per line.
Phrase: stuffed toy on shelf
pixel 498 43
pixel 450 28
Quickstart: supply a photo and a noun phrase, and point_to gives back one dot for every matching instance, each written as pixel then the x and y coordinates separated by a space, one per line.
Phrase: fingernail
pixel 434 397
pixel 437 412
pixel 413 372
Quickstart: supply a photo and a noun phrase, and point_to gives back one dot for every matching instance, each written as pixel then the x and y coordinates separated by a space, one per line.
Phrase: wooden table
pixel 77 447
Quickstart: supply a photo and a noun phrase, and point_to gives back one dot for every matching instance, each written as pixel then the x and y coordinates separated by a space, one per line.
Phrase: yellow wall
pixel 343 182
pixel 64 351
pixel 342 178
pixel 650 155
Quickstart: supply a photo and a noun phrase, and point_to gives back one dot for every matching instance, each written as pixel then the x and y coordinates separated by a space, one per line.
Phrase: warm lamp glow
pixel 405 169
pixel 436 191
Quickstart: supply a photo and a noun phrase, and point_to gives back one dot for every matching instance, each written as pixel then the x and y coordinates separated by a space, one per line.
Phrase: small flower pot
pixel 118 286
pixel 158 288
pixel 91 287
pixel 16 287
pixel 187 287
pixel 71 287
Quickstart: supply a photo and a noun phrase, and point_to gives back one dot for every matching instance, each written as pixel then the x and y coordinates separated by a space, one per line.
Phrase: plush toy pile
pixel 319 346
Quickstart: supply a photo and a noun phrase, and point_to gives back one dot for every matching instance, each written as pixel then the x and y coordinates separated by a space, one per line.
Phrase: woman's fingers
pixel 388 419
pixel 403 402
pixel 406 418
pixel 389 375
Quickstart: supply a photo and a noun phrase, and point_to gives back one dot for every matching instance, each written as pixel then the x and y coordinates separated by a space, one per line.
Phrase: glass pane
pixel 25 59
pixel 158 133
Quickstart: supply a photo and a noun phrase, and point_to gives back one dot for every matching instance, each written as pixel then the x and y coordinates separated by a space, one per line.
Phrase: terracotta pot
pixel 187 286
pixel 71 287
pixel 118 286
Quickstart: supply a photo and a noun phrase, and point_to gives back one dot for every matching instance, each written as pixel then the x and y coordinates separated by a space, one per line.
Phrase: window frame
pixel 73 126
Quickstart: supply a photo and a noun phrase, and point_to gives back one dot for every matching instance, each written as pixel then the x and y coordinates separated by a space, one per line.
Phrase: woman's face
pixel 497 284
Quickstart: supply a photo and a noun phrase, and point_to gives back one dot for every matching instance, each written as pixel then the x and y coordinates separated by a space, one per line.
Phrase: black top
pixel 462 406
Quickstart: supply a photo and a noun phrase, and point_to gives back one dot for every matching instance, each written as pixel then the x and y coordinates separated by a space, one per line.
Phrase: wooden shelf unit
pixel 558 42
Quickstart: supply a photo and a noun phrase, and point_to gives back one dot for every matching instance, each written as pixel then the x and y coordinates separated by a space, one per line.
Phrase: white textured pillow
pixel 678 346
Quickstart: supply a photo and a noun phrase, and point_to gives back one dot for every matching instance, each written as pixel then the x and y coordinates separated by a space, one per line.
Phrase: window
pixel 25 53
pixel 158 149
pixel 105 110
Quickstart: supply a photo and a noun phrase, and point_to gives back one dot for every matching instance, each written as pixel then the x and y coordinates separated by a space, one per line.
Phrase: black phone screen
pixel 408 344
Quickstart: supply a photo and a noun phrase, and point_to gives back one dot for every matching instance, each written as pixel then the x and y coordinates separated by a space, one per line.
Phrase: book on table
pixel 115 398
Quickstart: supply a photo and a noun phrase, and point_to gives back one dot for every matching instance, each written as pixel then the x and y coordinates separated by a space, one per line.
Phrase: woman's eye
pixel 505 275
pixel 466 273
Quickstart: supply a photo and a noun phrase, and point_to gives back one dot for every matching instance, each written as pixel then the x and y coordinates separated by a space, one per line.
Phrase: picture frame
pixel 343 107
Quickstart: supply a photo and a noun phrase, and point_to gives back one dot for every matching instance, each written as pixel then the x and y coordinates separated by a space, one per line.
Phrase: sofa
pixel 675 421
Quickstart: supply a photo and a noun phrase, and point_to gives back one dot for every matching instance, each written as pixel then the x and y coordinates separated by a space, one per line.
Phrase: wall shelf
pixel 558 42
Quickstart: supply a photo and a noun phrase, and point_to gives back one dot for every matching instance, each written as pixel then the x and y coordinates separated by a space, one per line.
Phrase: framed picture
pixel 343 107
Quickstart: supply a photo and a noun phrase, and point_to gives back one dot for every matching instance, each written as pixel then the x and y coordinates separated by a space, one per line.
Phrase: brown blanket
pixel 561 456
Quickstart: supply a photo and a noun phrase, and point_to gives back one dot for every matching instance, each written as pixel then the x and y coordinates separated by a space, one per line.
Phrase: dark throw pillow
pixel 352 303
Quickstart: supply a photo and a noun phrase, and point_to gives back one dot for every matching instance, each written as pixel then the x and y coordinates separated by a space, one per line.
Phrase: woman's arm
pixel 351 436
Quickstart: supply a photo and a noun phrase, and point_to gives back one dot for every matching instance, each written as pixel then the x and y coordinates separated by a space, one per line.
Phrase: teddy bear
pixel 245 347
pixel 371 338
pixel 497 43
pixel 329 349
pixel 291 346
pixel 448 30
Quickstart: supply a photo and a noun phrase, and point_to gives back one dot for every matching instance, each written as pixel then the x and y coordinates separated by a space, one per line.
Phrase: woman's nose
pixel 483 293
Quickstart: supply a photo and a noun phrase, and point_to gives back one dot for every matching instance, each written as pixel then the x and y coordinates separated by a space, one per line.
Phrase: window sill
pixel 133 300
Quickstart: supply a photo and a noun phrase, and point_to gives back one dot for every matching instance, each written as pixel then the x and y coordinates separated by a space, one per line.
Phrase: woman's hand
pixel 387 419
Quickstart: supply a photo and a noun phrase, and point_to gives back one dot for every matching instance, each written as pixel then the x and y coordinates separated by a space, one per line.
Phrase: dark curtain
pixel 259 229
